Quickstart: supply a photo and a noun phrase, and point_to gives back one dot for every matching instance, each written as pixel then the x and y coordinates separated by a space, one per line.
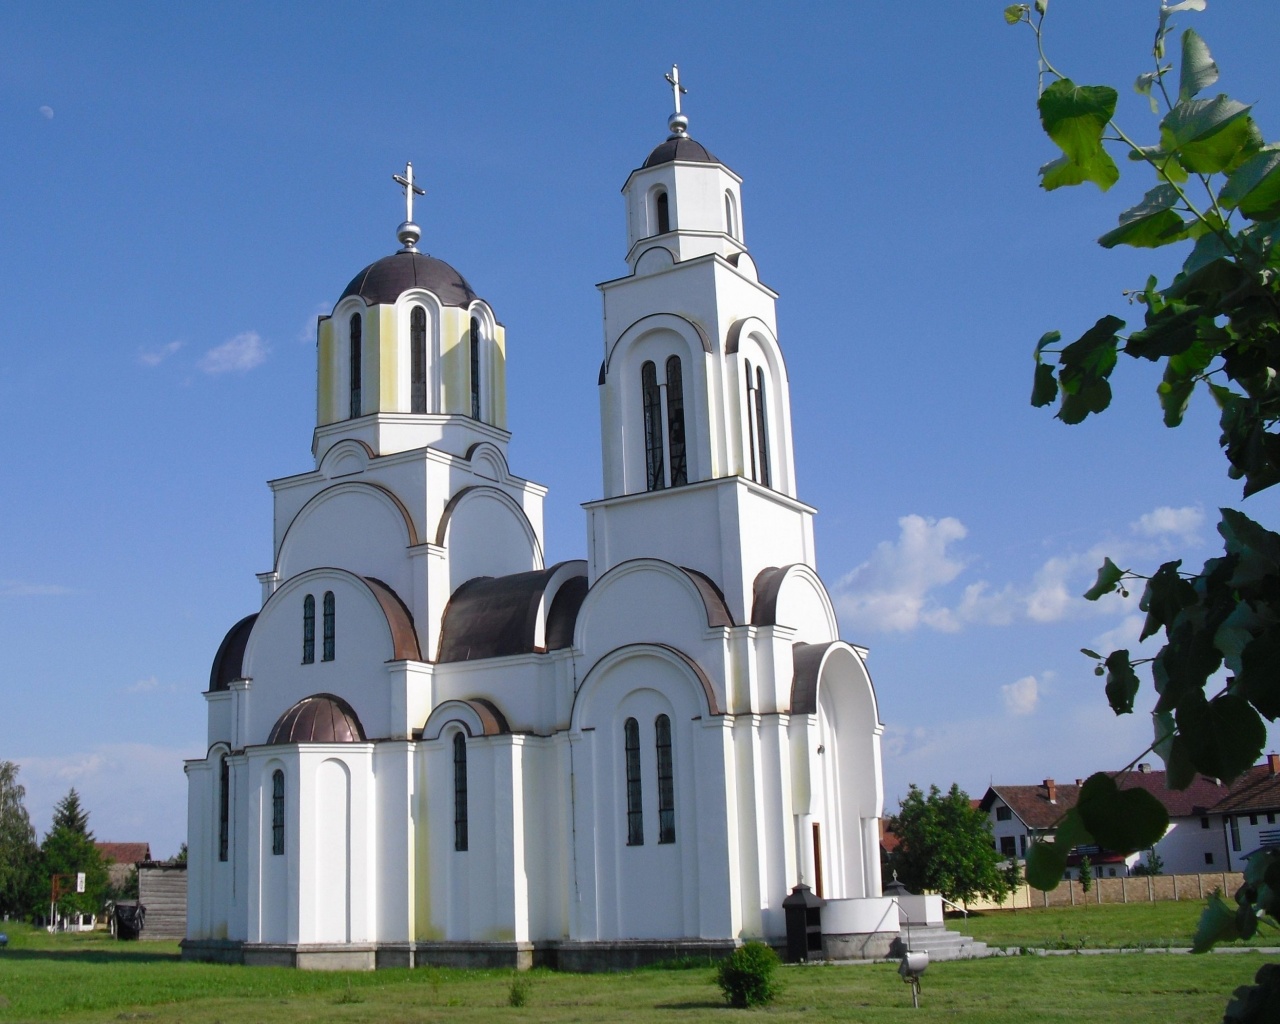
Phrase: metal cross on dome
pixel 676 87
pixel 410 190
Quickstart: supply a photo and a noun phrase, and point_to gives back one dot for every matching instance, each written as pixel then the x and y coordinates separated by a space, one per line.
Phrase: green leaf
pixel 1224 736
pixel 1014 13
pixel 1242 536
pixel 1109 576
pixel 1074 117
pixel 1259 678
pixel 1120 820
pixel 1046 864
pixel 1209 247
pixel 1217 924
pixel 1150 224
pixel 1091 654
pixel 1166 164
pixel 1166 594
pixel 1254 186
pixel 1045 388
pixel 1164 728
pixel 1179 771
pixel 1175 396
pixel 1122 682
pixel 1207 135
pixel 1199 70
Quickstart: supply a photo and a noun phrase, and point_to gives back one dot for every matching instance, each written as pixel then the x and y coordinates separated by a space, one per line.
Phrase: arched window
pixel 635 813
pixel 475 368
pixel 418 359
pixel 730 214
pixel 459 791
pixel 277 812
pixel 355 333
pixel 751 420
pixel 655 470
pixel 675 423
pixel 224 807
pixel 664 212
pixel 757 425
pixel 308 630
pixel 327 654
pixel 666 782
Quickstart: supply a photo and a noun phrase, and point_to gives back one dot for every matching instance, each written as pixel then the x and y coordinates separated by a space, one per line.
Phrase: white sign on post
pixel 79 881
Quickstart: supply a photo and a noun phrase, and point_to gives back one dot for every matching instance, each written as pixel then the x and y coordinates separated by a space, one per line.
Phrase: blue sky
pixel 186 187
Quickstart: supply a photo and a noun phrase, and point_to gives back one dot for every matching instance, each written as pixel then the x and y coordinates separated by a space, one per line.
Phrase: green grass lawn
pixel 1095 926
pixel 80 979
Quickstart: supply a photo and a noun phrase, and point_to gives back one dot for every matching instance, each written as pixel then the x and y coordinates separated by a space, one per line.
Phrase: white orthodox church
pixel 427 746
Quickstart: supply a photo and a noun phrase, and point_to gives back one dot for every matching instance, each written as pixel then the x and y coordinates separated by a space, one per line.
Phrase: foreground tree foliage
pixel 945 846
pixel 19 855
pixel 1215 328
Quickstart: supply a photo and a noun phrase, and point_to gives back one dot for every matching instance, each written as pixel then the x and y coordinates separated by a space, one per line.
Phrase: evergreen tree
pixel 19 855
pixel 69 849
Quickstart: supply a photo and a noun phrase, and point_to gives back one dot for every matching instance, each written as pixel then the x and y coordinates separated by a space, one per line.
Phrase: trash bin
pixel 803 912
pixel 129 920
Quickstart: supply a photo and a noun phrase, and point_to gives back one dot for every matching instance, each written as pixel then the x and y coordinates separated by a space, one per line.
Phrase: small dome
pixel 228 663
pixel 385 281
pixel 321 718
pixel 680 148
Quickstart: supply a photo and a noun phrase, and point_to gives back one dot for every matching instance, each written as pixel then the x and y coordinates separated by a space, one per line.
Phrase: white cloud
pixel 241 353
pixel 890 591
pixel 308 332
pixel 20 588
pixel 1124 636
pixel 157 355
pixel 1021 697
pixel 144 685
pixel 46 112
pixel 1182 523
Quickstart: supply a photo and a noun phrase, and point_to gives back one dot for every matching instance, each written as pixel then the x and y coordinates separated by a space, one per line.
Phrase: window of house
pixel 664 212
pixel 475 368
pixel 1208 857
pixel 1008 846
pixel 459 791
pixel 635 813
pixel 1235 834
pixel 277 812
pixel 1253 819
pixel 418 359
pixel 308 630
pixel 675 422
pixel 655 469
pixel 1271 817
pixel 1204 822
pixel 355 333
pixel 1022 843
pixel 1003 813
pixel 224 807
pixel 666 782
pixel 327 654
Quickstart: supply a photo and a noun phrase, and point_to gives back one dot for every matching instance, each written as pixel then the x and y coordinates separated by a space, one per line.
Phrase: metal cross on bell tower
pixel 408 233
pixel 677 122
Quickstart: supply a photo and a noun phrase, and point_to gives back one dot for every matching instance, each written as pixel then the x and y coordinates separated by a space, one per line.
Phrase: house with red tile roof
pixel 1251 811
pixel 122 859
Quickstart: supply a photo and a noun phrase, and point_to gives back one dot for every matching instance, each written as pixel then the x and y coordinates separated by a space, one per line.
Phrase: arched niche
pixel 794 596
pixel 486 533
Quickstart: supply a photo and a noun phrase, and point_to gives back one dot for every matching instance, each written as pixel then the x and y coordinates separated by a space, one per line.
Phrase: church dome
pixel 383 282
pixel 321 718
pixel 680 148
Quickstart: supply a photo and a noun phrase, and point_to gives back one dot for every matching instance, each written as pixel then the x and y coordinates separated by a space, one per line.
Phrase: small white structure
pixel 428 746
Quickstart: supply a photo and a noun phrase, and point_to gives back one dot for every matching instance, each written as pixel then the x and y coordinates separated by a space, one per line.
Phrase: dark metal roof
pixel 404 638
pixel 682 148
pixel 321 718
pixel 496 617
pixel 385 281
pixel 806 665
pixel 228 662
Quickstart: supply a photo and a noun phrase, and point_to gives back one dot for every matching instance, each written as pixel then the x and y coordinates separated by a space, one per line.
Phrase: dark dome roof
pixel 229 661
pixel 385 281
pixel 321 718
pixel 682 148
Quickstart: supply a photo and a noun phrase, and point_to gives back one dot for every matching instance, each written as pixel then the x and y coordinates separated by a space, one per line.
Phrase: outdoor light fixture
pixel 913 965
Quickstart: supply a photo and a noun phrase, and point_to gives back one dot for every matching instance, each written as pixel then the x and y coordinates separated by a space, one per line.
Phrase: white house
pixel 429 746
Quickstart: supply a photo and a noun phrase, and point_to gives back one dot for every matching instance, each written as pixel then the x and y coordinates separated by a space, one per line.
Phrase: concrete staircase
pixel 940 943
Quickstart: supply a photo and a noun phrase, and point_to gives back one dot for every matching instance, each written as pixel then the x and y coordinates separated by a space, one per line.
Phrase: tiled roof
pixel 124 853
pixel 1032 803
pixel 1258 789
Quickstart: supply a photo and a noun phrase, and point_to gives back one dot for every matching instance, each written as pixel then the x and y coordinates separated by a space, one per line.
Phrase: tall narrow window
pixel 666 782
pixel 817 860
pixel 655 470
pixel 664 213
pixel 751 419
pixel 418 360
pixel 475 368
pixel 327 655
pixel 730 215
pixel 224 807
pixel 355 333
pixel 675 423
pixel 762 428
pixel 459 791
pixel 277 812
pixel 308 630
pixel 635 812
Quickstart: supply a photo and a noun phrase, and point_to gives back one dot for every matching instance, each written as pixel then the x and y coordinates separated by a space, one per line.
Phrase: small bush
pixel 746 976
pixel 518 995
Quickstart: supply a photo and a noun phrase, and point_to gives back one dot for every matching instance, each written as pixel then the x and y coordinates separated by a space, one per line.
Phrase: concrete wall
pixel 1135 889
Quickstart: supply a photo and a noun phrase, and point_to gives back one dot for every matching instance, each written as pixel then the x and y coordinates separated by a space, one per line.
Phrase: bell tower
pixel 694 399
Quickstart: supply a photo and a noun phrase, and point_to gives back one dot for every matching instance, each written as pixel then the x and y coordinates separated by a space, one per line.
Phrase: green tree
pixel 67 850
pixel 1215 329
pixel 19 855
pixel 1086 874
pixel 945 846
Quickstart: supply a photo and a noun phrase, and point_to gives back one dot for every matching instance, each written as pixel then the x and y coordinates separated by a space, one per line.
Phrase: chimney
pixel 1273 762
pixel 1144 768
pixel 1079 783
pixel 1051 788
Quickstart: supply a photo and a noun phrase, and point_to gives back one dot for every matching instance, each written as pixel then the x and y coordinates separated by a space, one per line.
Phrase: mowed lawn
pixel 1096 926
pixel 68 978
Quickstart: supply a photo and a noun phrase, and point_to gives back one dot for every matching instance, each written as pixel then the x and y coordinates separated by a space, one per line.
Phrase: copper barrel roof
pixel 386 280
pixel 683 148
pixel 228 662
pixel 320 718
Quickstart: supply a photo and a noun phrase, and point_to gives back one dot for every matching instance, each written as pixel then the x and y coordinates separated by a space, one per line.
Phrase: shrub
pixel 746 975
pixel 518 995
